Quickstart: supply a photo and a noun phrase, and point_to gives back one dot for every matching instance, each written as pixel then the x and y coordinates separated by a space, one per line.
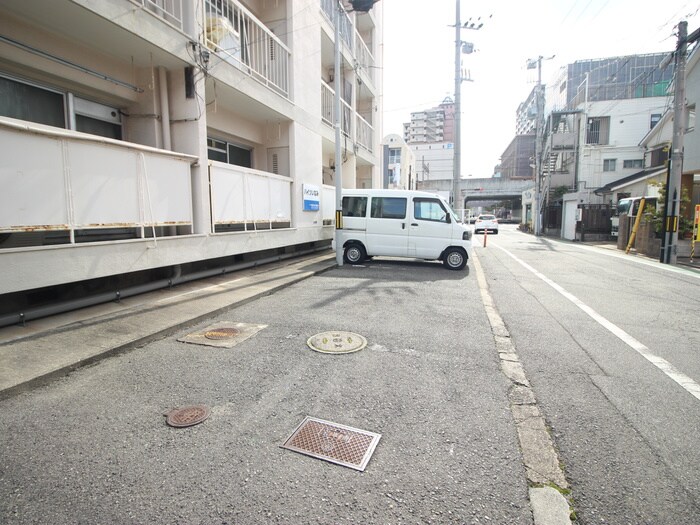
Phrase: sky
pixel 419 56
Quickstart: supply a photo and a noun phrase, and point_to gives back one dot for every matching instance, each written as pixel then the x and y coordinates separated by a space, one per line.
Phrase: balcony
pixel 244 199
pixel 364 58
pixel 168 10
pixel 328 109
pixel 65 187
pixel 240 39
pixel 365 133
pixel 329 7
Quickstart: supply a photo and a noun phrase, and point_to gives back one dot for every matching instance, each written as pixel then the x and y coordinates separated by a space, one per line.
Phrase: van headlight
pixel 467 235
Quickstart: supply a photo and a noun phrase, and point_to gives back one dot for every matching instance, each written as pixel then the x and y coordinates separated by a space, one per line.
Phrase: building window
pixel 27 102
pixel 655 117
pixel 34 103
pixel 609 164
pixel 598 130
pixel 394 156
pixel 690 115
pixel 224 151
pixel 633 163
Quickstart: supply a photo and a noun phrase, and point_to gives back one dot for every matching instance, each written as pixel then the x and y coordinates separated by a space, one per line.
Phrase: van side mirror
pixel 449 218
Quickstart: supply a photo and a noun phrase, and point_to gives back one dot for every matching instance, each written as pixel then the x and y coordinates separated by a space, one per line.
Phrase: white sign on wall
pixel 312 197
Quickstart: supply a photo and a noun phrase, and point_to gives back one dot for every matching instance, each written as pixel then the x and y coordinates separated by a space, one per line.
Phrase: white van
pixel 402 223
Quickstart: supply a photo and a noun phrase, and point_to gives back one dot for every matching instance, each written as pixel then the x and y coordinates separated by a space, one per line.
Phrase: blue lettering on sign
pixel 311 197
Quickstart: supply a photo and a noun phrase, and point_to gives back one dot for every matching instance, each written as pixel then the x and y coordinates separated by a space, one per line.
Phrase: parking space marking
pixel 667 368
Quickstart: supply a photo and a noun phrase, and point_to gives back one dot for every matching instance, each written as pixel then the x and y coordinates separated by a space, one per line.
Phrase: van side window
pixel 354 206
pixel 388 207
pixel 429 210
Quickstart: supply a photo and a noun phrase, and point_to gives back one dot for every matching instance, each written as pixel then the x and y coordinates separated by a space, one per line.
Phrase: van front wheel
pixel 454 259
pixel 354 254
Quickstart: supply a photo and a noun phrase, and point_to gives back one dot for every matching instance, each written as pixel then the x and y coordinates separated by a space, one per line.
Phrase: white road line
pixel 667 368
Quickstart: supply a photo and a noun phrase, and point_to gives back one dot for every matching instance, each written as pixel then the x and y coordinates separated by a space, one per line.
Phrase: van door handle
pixel 414 224
pixel 403 225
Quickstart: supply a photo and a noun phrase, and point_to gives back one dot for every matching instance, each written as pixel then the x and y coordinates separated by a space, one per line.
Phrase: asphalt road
pixel 94 448
pixel 627 430
pixel 608 342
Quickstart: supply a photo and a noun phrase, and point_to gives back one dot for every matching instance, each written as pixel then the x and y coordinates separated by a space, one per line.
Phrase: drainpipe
pixel 164 107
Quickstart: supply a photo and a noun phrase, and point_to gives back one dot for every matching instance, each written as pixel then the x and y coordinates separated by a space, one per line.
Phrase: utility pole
pixel 456 168
pixel 673 187
pixel 460 47
pixel 339 11
pixel 538 150
pixel 360 6
pixel 539 128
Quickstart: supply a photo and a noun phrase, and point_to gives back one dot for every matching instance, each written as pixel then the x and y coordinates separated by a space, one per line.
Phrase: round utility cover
pixel 187 416
pixel 336 342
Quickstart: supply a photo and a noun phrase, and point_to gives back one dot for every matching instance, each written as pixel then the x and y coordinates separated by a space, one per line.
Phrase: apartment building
pixel 398 164
pixel 596 114
pixel 432 125
pixel 151 135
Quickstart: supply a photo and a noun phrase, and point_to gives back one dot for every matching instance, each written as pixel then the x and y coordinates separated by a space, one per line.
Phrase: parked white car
pixel 488 223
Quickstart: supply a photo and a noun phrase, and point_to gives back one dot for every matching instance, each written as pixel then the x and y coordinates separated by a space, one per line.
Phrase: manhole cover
pixel 336 342
pixel 221 333
pixel 347 446
pixel 187 416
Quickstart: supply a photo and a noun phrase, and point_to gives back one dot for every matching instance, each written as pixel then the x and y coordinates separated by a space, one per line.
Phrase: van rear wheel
pixel 354 254
pixel 454 259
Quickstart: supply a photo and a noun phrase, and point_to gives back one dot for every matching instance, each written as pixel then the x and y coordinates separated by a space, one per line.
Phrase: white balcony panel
pixel 58 179
pixel 33 184
pixel 244 196
pixel 105 186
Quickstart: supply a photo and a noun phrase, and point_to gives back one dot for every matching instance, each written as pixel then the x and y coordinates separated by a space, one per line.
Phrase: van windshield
pixel 624 205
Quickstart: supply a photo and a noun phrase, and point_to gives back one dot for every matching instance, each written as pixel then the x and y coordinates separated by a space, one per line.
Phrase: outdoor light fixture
pixel 362 5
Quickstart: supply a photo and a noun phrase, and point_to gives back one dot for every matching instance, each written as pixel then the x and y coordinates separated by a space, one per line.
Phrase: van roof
pixel 387 193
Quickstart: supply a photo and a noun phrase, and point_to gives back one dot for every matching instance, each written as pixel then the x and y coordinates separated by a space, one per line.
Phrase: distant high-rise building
pixel 432 125
pixel 430 135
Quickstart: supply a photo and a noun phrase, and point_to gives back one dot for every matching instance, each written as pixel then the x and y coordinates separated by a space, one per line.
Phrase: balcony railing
pixel 365 133
pixel 244 199
pixel 329 7
pixel 168 10
pixel 364 57
pixel 243 41
pixel 56 179
pixel 328 109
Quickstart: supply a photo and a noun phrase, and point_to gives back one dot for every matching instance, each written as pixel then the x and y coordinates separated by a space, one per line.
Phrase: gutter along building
pixel 151 135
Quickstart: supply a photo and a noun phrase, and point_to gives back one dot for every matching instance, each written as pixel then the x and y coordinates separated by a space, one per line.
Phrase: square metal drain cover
pixel 223 335
pixel 347 446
